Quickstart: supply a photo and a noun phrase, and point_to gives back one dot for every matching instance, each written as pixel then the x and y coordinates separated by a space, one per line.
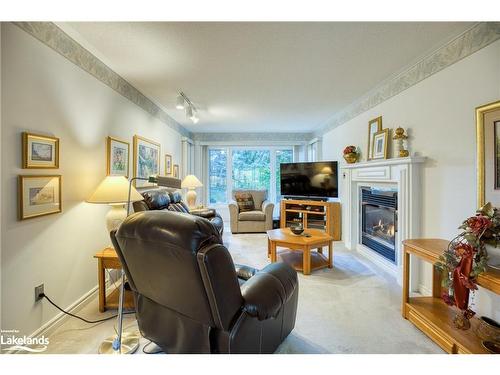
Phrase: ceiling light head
pixel 180 102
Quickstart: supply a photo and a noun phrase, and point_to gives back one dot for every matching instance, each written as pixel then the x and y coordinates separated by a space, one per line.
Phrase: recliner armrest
pixel 268 290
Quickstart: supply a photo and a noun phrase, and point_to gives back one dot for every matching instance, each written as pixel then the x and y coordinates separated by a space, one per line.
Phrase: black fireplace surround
pixel 379 221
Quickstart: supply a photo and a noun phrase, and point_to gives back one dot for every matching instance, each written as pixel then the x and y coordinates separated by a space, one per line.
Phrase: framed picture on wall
pixel 39 196
pixel 380 144
pixel 374 126
pixel 488 154
pixel 176 171
pixel 168 165
pixel 117 155
pixel 40 151
pixel 146 159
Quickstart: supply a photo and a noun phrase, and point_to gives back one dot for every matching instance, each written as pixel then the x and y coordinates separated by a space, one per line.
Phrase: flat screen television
pixel 310 179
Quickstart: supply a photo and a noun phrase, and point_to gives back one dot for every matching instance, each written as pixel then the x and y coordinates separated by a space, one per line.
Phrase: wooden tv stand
pixel 312 214
pixel 430 314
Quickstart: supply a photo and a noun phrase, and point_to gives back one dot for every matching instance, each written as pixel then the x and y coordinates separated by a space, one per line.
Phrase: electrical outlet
pixel 38 290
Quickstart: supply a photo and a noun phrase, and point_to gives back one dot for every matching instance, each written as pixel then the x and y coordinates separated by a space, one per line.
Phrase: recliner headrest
pixel 175 197
pixel 156 199
pixel 171 229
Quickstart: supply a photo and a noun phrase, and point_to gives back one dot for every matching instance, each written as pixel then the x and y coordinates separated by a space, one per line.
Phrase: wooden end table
pixel 107 259
pixel 309 260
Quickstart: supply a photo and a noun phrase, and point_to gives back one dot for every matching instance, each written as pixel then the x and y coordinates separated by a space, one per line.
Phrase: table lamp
pixel 114 190
pixel 191 182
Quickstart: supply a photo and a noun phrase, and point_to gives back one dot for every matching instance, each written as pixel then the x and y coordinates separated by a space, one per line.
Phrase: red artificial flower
pixel 464 250
pixel 349 149
pixel 478 224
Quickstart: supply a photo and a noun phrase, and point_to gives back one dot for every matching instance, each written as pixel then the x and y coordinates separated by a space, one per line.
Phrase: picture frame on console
pixel 40 151
pixel 374 126
pixel 39 195
pixel 117 157
pixel 380 145
pixel 146 159
pixel 488 154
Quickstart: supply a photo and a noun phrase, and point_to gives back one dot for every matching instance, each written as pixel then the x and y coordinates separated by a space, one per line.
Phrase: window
pixel 282 156
pixel 245 168
pixel 217 175
pixel 251 169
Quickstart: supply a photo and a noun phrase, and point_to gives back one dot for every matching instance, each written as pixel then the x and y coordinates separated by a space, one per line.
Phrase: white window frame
pixel 229 167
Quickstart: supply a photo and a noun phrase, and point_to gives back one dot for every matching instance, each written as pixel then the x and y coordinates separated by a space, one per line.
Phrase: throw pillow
pixel 244 201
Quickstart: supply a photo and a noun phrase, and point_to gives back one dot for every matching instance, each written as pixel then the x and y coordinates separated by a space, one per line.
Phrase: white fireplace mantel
pixel 403 174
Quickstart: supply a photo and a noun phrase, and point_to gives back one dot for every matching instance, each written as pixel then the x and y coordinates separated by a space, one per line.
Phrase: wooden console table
pixel 324 216
pixel 430 314
pixel 107 259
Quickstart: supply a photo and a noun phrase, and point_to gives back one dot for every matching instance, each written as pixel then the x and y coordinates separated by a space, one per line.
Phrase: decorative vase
pixel 351 157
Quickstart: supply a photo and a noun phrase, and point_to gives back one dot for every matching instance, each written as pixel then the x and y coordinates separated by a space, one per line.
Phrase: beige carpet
pixel 352 308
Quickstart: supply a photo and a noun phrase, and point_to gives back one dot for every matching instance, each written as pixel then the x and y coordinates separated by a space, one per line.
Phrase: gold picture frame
pixel 374 126
pixel 380 145
pixel 113 155
pixel 40 151
pixel 488 159
pixel 168 165
pixel 149 163
pixel 39 195
pixel 176 171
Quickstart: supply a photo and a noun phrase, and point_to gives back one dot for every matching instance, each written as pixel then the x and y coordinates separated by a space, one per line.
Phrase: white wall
pixel 439 115
pixel 45 93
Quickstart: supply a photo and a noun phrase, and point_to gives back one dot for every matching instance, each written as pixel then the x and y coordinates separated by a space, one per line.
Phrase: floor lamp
pixel 128 342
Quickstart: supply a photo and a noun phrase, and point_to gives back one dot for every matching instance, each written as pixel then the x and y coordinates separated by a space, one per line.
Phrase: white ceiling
pixel 259 77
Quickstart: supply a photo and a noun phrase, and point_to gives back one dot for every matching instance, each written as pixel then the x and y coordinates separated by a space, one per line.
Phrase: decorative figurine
pixel 400 137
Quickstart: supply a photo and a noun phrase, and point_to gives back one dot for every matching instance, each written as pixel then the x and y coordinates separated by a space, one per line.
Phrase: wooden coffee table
pixel 300 253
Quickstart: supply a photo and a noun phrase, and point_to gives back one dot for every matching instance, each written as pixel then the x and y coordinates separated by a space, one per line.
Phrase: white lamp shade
pixel 114 190
pixel 191 182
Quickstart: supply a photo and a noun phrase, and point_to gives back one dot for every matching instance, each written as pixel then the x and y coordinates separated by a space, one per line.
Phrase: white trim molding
pixel 54 37
pixel 465 44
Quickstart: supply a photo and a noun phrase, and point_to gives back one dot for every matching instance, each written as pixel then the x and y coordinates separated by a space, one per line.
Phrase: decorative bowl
pixel 298 229
pixel 492 347
pixel 488 329
pixel 351 157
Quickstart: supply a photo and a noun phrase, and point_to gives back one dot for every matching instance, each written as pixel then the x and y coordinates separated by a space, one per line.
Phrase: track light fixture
pixel 180 102
pixel 183 102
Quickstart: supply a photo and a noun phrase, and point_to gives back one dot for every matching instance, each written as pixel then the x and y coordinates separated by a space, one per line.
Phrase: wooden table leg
pixel 273 251
pixel 268 247
pixel 330 254
pixel 406 282
pixel 306 261
pixel 102 285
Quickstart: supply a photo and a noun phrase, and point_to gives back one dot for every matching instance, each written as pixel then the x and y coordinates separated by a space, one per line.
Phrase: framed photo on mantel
pixel 488 154
pixel 374 126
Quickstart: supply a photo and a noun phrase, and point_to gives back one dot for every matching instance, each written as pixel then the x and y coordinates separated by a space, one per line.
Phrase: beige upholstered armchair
pixel 258 220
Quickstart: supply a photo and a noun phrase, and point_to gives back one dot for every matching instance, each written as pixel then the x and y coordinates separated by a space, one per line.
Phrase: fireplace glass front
pixel 379 221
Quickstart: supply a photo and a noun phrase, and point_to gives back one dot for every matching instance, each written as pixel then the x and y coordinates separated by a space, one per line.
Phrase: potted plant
pixel 350 154
pixel 466 258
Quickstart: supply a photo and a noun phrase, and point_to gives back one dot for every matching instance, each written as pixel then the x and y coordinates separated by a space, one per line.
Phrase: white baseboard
pixel 48 328
pixel 390 268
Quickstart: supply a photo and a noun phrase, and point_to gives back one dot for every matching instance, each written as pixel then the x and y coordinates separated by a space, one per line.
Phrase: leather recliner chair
pixel 190 297
pixel 161 199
